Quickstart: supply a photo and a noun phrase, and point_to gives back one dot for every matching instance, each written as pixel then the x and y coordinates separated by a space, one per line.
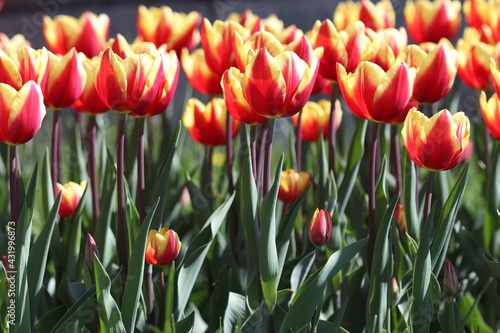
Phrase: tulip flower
pixel 388 43
pixel 480 12
pixel 90 250
pixel 315 119
pixel 490 108
pixel 199 75
pixel 429 21
pixel 71 195
pixel 320 227
pixel 495 75
pixel 162 247
pixel 21 113
pixel 66 77
pixel 24 65
pixel 207 123
pixel 374 16
pixel 275 87
pixel 218 43
pixel 347 47
pixel 474 60
pixel 164 26
pixel 257 41
pixel 124 49
pixel 437 143
pixel 292 184
pixel 435 71
pixel 346 13
pixel 86 34
pixel 376 95
pixel 14 44
pixel 89 101
pixel 400 217
pixel 451 285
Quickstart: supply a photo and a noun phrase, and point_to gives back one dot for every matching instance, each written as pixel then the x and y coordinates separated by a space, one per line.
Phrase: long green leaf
pixel 409 198
pixel 235 312
pixel 23 239
pixel 309 295
pixel 47 189
pixel 104 236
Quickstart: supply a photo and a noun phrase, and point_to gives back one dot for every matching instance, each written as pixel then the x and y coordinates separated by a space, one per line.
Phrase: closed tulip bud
pixel 376 95
pixel 451 286
pixel 292 184
pixel 207 123
pixel 89 101
pixel 21 113
pixel 394 288
pixel 66 78
pixel 199 75
pixel 437 143
pixel 429 21
pixel 320 227
pixel 90 249
pixel 14 44
pixel 86 34
pixel 399 215
pixel 162 247
pixel 490 109
pixel 388 43
pixel 377 16
pixel 164 26
pixel 315 119
pixel 71 195
pixel 24 65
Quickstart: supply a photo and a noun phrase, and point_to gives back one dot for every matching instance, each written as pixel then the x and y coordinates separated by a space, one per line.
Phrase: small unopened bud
pixel 399 215
pixel 320 227
pixel 451 284
pixel 90 249
pixel 394 288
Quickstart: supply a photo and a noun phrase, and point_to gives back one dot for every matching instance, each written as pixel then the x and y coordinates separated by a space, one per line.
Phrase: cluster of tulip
pixel 263 71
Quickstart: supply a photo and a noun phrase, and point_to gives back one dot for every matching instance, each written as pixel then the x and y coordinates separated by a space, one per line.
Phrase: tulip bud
pixel 394 288
pixel 320 227
pixel 90 249
pixel 399 215
pixel 292 184
pixel 162 246
pixel 451 284
pixel 71 196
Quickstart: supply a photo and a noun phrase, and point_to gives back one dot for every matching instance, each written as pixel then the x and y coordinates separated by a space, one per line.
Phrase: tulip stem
pixel 56 126
pixel 141 182
pixel 79 123
pixel 396 160
pixel 253 152
pixel 229 152
pixel 261 141
pixel 14 185
pixel 91 133
pixel 120 181
pixel 149 293
pixel 428 196
pixel 268 155
pixel 331 128
pixel 372 230
pixel 298 143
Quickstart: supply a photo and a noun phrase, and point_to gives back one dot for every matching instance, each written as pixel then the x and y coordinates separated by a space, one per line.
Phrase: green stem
pixel 428 196
pixel 372 228
pixel 14 185
pixel 120 181
pixel 331 127
pixel 298 143
pixel 141 182
pixel 268 155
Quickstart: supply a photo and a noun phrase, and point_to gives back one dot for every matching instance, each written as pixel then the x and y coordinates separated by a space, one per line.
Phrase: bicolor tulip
pixel 170 67
pixel 275 87
pixel 320 227
pixel 129 84
pixel 66 77
pixel 376 95
pixel 292 184
pixel 490 108
pixel 123 48
pixel 21 113
pixel 24 65
pixel 257 41
pixel 435 71
pixel 429 21
pixel 86 34
pixel 162 247
pixel 14 44
pixel 164 26
pixel 71 195
pixel 218 43
pixel 207 123
pixel 199 75
pixel 89 101
pixel 474 60
pixel 480 12
pixel 388 43
pixel 436 143
pixel 347 47
pixel 315 119
pixel 495 75
pixel 374 16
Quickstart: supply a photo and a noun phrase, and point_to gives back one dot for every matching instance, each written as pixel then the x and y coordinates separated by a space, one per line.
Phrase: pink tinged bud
pixel 451 284
pixel 394 288
pixel 320 227
pixel 90 249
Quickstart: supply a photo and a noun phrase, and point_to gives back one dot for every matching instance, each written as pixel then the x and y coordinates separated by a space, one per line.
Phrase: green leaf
pixel 185 325
pixel 323 185
pixel 220 297
pixel 310 293
pixel 110 318
pixel 301 270
pixel 409 198
pixel 104 236
pixel 201 205
pixel 23 239
pixel 135 274
pixel 268 253
pixel 468 309
pixel 492 264
pixel 47 189
pixel 195 255
pixel 235 312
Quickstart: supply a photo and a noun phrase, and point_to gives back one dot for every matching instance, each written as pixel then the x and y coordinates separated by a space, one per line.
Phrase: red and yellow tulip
pixel 490 108
pixel 376 95
pixel 199 75
pixel 89 101
pixel 315 119
pixel 21 113
pixel 162 247
pixel 388 44
pixel 164 26
pixel 320 227
pixel 207 123
pixel 375 16
pixel 71 195
pixel 429 21
pixel 292 184
pixel 480 12
pixel 14 44
pixel 436 143
pixel 24 65
pixel 86 34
